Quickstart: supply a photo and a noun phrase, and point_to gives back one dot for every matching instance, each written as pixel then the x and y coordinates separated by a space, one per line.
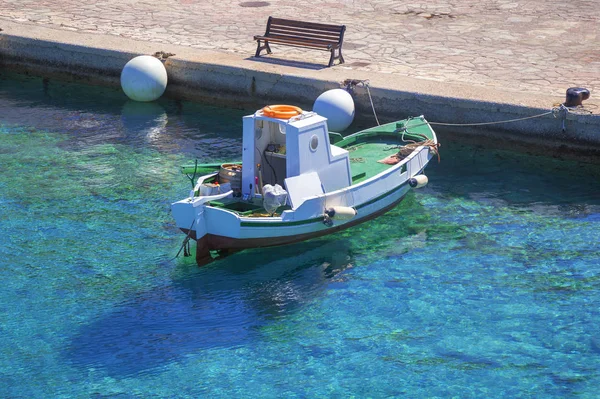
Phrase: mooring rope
pixel 186 240
pixel 555 111
pixel 434 147
pixel 407 149
pixel 491 123
pixel 352 83
pixel 558 109
pixel 586 109
pixel 366 83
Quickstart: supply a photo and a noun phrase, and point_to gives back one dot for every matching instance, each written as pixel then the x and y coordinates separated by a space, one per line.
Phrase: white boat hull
pixel 219 229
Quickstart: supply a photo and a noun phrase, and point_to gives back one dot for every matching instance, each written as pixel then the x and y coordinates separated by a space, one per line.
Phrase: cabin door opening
pixel 270 140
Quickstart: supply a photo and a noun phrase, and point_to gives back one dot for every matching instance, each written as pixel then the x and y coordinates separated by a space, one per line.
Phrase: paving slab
pixel 534 45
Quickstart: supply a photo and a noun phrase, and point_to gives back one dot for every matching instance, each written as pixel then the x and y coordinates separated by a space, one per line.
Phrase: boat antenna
pixel 193 176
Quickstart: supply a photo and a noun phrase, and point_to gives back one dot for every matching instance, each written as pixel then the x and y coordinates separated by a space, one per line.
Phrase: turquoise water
pixel 484 284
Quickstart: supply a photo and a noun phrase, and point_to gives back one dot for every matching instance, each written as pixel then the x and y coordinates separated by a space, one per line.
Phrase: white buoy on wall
pixel 144 78
pixel 337 106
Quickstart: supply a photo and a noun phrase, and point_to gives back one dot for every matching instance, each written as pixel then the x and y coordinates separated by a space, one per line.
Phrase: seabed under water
pixel 486 283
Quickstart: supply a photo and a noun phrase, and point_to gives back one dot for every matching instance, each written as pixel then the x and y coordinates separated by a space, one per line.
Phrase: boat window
pixel 314 142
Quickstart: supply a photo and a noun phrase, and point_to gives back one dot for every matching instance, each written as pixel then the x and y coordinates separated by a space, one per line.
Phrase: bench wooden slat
pixel 301 30
pixel 300 42
pixel 305 29
pixel 310 25
pixel 301 45
pixel 303 34
pixel 308 34
pixel 291 37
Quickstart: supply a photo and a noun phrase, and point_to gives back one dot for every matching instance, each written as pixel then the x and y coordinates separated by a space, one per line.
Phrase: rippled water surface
pixel 484 284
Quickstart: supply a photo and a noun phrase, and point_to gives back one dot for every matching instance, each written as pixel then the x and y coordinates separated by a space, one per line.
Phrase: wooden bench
pixel 303 34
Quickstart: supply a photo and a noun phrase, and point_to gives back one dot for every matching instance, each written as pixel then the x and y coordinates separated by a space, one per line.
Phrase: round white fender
pixel 341 212
pixel 418 181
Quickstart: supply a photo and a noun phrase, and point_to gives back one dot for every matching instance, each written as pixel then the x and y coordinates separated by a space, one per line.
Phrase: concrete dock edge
pixel 231 79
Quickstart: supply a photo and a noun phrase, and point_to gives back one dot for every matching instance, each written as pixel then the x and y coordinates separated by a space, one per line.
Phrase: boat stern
pixel 186 216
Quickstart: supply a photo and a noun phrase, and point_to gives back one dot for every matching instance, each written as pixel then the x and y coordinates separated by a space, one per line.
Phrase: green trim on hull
pixel 281 224
pixel 212 242
pixel 318 219
pixel 392 191
pixel 204 168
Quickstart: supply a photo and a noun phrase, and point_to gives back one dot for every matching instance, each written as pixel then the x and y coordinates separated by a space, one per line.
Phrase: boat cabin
pixel 295 153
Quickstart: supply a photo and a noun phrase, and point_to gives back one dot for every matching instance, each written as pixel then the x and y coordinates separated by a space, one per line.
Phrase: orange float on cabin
pixel 281 111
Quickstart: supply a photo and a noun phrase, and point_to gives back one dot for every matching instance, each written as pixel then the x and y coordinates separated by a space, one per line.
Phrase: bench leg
pixel 260 48
pixel 333 57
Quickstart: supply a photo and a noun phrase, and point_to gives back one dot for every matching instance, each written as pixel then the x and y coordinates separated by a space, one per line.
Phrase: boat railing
pixel 415 162
pixel 201 181
pixel 197 201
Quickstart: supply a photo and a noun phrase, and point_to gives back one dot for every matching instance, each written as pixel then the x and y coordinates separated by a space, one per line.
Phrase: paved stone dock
pixel 536 46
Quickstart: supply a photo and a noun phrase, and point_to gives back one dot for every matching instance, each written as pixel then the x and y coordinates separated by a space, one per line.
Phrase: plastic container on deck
pixel 231 173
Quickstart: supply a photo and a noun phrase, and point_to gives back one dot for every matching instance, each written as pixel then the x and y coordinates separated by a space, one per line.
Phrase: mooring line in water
pixel 186 240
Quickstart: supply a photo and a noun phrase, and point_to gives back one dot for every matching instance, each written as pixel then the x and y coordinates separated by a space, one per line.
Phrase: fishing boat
pixel 298 181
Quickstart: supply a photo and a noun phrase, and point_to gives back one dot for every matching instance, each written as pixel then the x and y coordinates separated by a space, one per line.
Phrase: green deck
pixel 364 157
pixel 369 146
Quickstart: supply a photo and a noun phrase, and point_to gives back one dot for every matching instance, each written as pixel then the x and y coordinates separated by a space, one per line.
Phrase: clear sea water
pixel 484 284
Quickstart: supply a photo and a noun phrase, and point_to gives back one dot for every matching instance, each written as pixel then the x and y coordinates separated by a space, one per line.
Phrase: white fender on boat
pixel 144 78
pixel 337 106
pixel 341 212
pixel 418 181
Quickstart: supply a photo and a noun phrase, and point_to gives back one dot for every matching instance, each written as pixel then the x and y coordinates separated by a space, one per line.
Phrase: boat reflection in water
pixel 221 306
